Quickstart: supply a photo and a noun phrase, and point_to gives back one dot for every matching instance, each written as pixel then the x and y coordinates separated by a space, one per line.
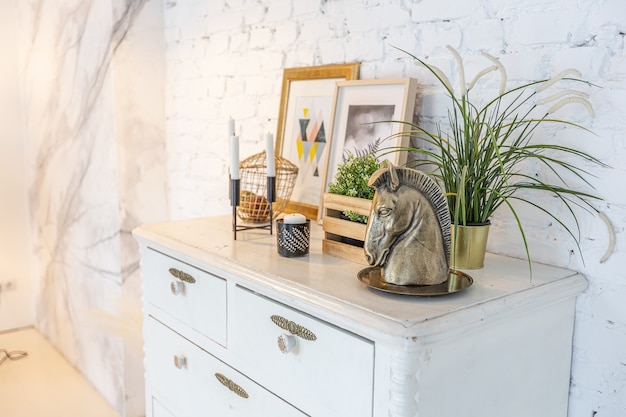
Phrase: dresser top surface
pixel 332 284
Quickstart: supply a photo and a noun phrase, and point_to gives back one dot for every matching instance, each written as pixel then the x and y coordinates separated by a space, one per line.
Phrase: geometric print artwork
pixel 310 141
pixel 305 142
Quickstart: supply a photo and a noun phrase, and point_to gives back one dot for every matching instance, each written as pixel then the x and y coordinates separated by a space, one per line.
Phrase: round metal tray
pixel 457 281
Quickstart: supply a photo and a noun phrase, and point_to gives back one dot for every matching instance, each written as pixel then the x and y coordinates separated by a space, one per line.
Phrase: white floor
pixel 44 384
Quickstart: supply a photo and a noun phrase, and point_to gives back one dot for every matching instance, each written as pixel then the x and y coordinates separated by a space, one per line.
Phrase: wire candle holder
pixel 257 198
pixel 235 201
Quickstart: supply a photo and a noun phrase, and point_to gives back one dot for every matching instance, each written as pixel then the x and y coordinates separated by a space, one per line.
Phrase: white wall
pixel 225 58
pixel 16 305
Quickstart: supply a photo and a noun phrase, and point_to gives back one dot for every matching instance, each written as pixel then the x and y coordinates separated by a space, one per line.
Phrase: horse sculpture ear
pixel 394 182
pixel 391 178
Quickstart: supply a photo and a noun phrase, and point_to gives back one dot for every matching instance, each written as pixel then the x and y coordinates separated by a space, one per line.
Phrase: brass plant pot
pixel 468 245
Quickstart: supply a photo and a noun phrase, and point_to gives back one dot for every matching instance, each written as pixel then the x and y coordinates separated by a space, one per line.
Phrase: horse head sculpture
pixel 408 232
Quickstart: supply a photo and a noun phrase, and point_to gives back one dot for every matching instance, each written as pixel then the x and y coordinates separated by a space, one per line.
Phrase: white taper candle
pixel 234 157
pixel 269 153
pixel 231 127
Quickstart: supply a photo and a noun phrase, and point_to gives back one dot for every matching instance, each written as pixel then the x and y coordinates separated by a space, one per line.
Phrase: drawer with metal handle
pixel 303 358
pixel 188 381
pixel 188 294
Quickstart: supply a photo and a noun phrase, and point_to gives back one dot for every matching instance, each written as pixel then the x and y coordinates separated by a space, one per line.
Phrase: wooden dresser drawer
pixel 186 381
pixel 324 371
pixel 190 295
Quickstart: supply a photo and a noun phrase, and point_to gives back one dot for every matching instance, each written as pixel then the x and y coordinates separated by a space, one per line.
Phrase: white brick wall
pixel 225 58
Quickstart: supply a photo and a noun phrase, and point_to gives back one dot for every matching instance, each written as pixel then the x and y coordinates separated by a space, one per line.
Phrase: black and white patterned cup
pixel 293 239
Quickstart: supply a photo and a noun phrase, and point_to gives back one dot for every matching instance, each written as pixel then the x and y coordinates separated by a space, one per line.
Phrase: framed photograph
pixel 363 111
pixel 303 127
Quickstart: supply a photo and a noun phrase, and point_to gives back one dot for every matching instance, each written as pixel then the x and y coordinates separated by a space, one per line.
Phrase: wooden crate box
pixel 344 238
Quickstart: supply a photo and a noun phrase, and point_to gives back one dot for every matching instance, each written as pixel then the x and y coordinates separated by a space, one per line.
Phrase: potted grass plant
pixel 478 158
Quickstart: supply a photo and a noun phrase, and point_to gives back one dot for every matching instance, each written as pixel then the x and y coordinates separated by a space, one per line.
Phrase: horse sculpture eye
pixel 384 211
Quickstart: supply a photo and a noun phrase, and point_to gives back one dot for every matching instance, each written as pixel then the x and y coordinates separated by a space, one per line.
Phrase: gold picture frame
pixel 304 89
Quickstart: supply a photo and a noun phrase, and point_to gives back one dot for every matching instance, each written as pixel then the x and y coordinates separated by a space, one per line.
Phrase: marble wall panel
pixel 93 112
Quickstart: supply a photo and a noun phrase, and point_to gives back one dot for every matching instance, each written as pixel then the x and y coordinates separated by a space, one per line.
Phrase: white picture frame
pixel 380 104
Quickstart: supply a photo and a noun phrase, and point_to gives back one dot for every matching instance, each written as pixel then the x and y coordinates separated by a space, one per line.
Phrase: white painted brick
pixel 302 56
pixel 433 103
pixel 390 69
pixel 199 50
pixel 368 69
pixel 194 27
pixel 609 187
pixel 440 10
pixel 487 36
pixel 435 36
pixel 360 19
pixel 587 60
pixel 254 14
pixel 608 104
pixel 615 69
pixel 543 27
pixel 238 106
pixel 235 86
pixel 206 8
pixel 271 61
pixel 216 87
pixel 364 48
pixel 236 5
pixel 218 43
pixel 278 12
pixel 268 111
pixel 183 51
pixel 258 86
pixel 404 38
pixel 332 52
pixel 239 42
pixel 524 65
pixel 302 7
pixel 224 21
pixel 249 64
pixel 286 33
pixel 592 143
pixel 260 38
pixel 313 30
pixel 197 89
pixel 612 12
pixel 385 15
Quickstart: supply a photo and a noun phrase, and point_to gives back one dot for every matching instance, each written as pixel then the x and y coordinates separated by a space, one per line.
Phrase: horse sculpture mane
pixel 408 233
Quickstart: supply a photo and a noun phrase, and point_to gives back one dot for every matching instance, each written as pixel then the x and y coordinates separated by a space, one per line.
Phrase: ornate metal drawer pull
pixel 183 276
pixel 231 385
pixel 294 328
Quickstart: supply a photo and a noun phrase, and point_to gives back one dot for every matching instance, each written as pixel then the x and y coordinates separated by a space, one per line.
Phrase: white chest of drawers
pixel 233 329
